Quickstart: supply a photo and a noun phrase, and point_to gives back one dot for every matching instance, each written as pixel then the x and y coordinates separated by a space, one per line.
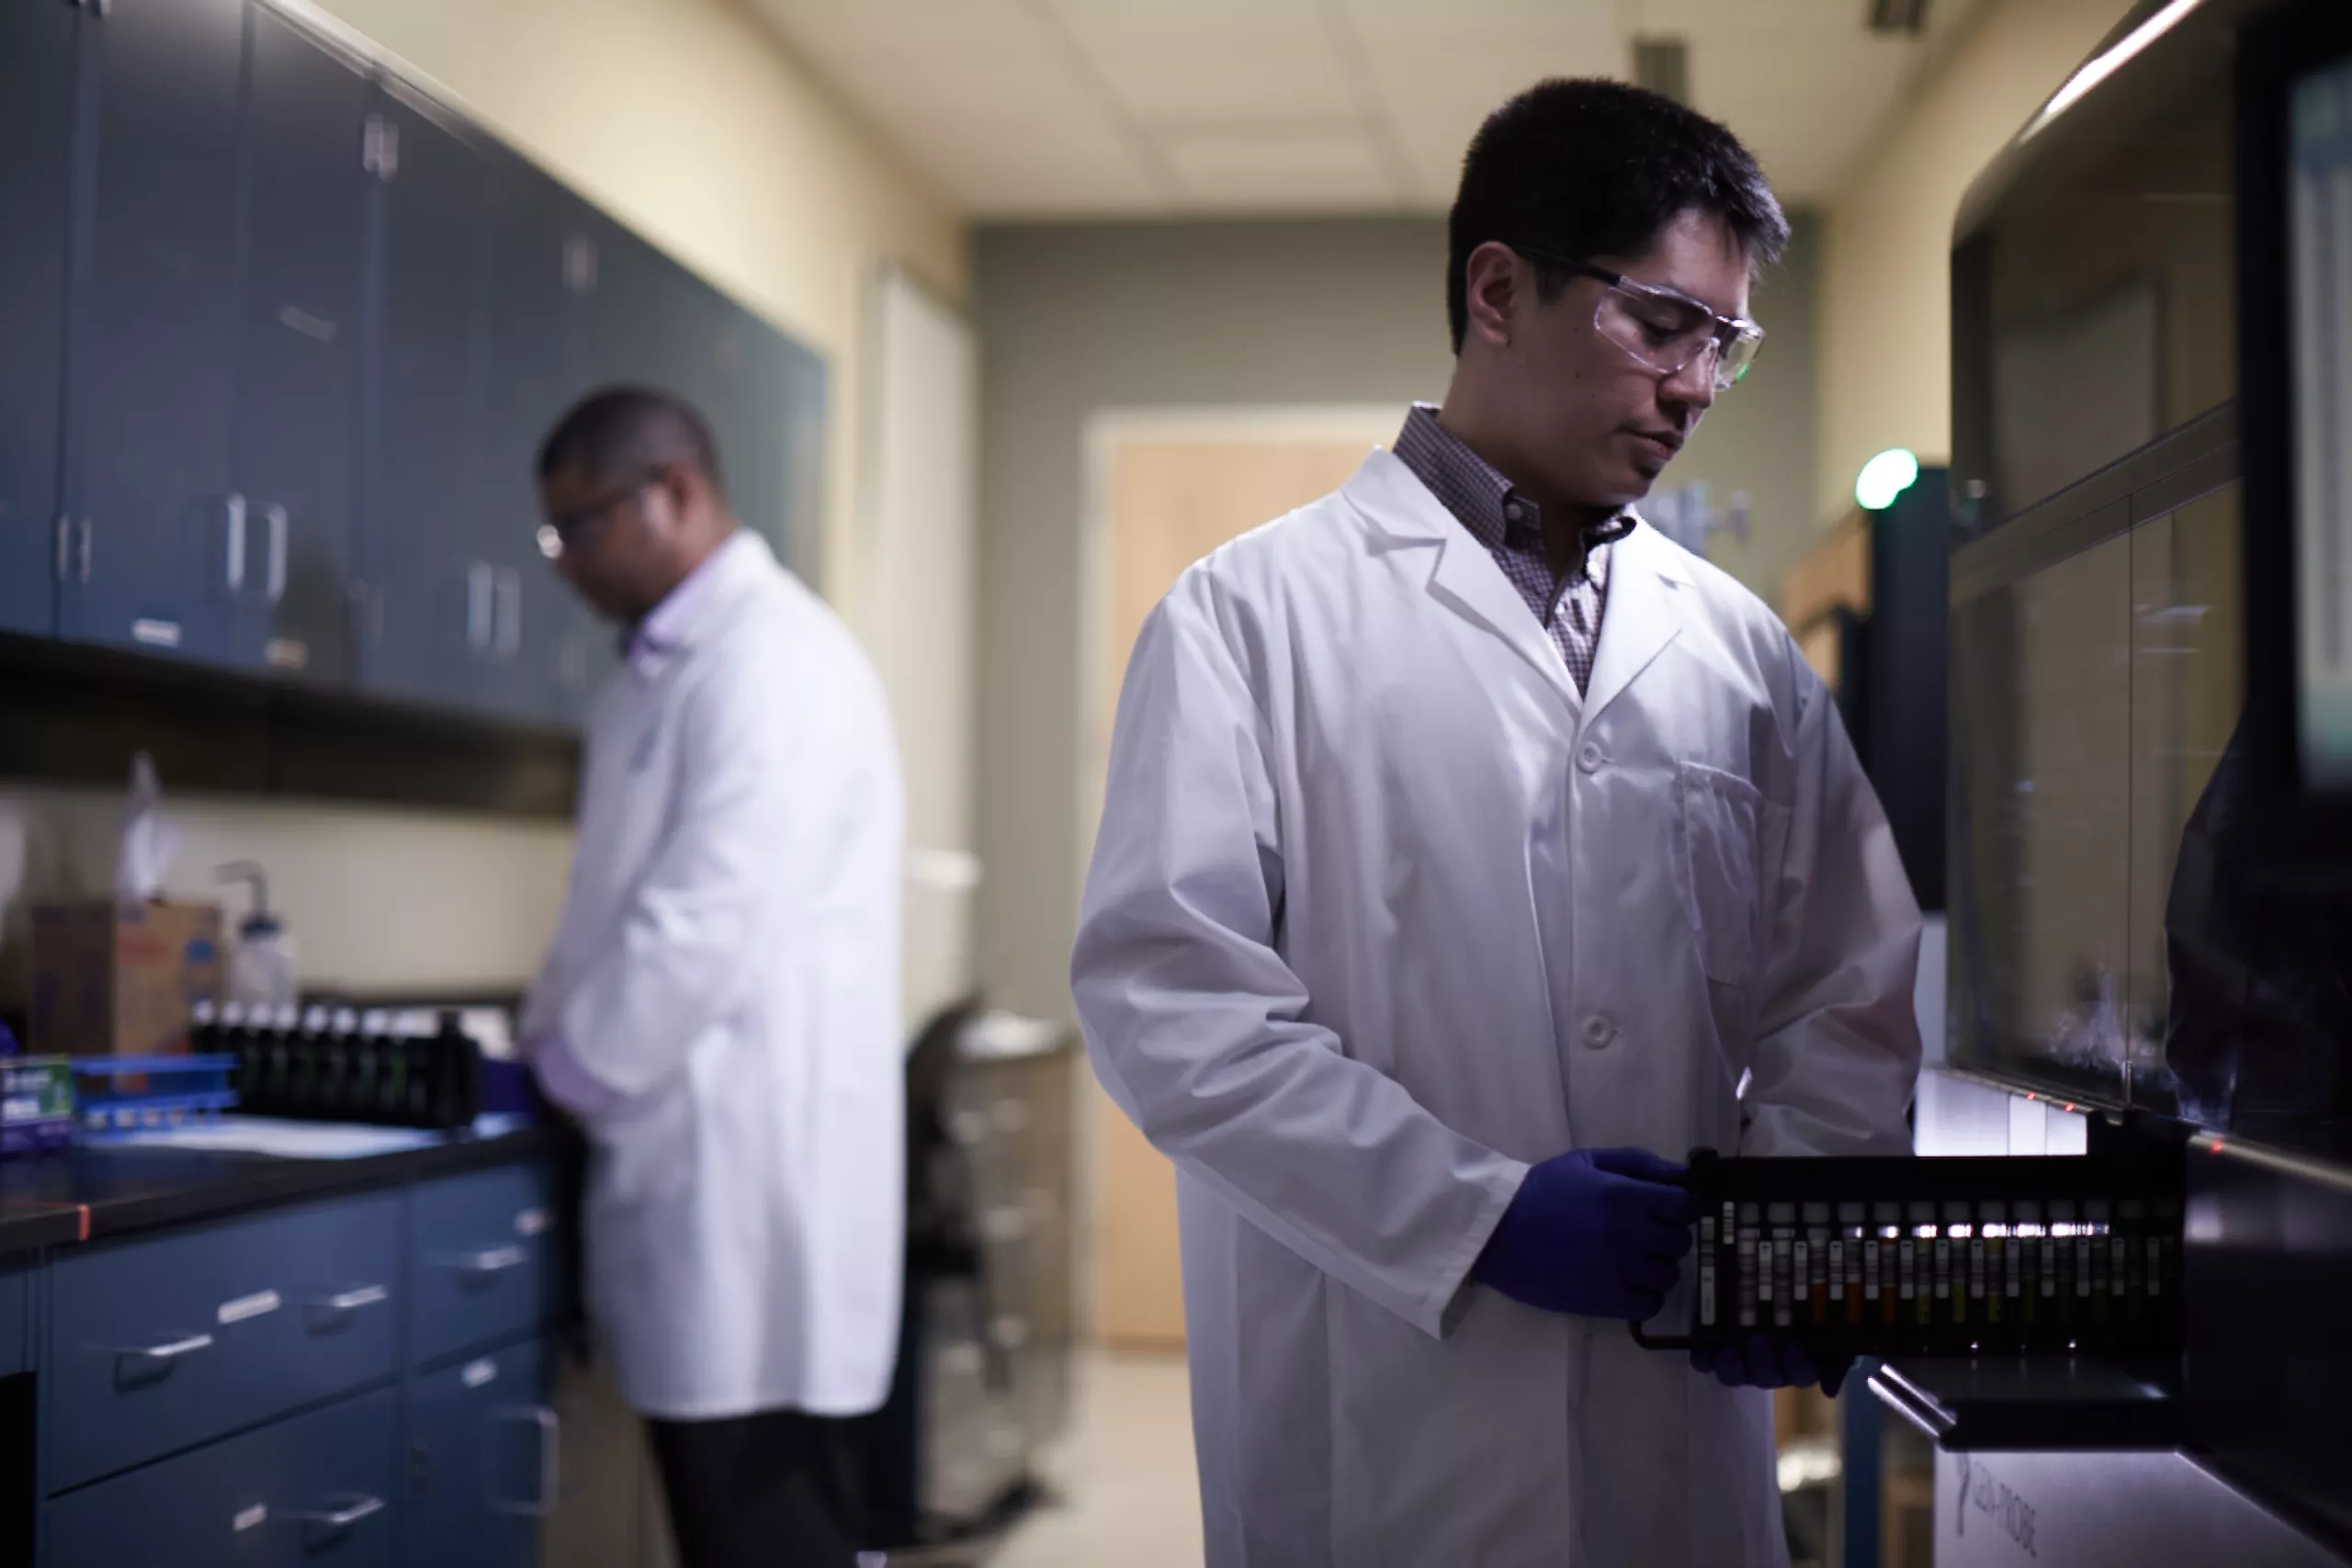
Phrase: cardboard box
pixel 113 979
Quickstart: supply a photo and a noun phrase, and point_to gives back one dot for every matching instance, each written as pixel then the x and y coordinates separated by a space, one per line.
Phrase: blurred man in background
pixel 720 1007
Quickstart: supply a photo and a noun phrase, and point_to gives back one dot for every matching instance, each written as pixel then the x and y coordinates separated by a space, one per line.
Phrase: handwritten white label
pixel 259 1305
pixel 478 1373
pixel 531 1221
pixel 156 634
pixel 248 1518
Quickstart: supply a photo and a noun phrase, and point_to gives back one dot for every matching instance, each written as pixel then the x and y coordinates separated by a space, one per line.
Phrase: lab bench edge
pixel 94 1194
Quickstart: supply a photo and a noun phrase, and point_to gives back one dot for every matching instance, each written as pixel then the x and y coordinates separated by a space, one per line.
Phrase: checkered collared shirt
pixel 1512 527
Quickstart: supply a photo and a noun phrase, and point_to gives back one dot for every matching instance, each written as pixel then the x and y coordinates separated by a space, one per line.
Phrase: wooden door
pixel 1170 500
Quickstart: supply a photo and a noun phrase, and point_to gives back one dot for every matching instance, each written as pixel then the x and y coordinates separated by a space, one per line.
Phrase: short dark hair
pixel 1596 168
pixel 617 429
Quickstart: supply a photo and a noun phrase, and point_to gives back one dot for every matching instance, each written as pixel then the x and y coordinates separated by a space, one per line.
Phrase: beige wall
pixel 378 900
pixel 1885 373
pixel 682 118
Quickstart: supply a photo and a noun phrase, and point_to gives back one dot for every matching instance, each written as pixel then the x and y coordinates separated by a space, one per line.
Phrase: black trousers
pixel 777 1490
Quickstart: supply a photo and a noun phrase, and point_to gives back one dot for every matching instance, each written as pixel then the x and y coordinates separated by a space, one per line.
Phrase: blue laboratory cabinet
pixel 36 44
pixel 284 335
pixel 358 1379
pixel 296 413
pixel 152 355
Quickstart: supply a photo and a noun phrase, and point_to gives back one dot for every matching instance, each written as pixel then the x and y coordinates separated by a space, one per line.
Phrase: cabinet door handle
pixel 344 1302
pixel 510 612
pixel 493 1259
pixel 236 574
pixel 276 517
pixel 170 1349
pixel 65 561
pixel 481 606
pixel 332 1522
pixel 84 568
pixel 550 1426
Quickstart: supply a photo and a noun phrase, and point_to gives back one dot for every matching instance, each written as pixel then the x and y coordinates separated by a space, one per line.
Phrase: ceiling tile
pixel 969 29
pixel 1037 106
pixel 1290 169
pixel 1223 24
pixel 1461 22
pixel 1269 86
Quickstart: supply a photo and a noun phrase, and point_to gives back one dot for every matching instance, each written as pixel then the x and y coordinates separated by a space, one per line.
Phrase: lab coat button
pixel 1599 1032
pixel 1591 759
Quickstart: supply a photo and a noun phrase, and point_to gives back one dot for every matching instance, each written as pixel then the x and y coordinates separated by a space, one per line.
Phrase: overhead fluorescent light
pixel 1663 65
pixel 1898 16
pixel 2106 63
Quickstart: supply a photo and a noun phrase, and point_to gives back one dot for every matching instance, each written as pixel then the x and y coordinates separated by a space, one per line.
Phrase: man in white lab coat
pixel 1466 845
pixel 720 1007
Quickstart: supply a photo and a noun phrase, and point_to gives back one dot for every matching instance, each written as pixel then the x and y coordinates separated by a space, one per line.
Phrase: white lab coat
pixel 727 965
pixel 1381 912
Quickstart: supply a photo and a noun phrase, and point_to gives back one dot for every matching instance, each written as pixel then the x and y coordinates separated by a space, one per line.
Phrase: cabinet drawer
pixel 484 1261
pixel 156 1345
pixel 482 1451
pixel 14 1351
pixel 310 1491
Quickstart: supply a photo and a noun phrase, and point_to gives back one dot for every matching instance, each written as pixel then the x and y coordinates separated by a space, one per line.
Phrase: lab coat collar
pixel 1644 611
pixel 1462 576
pixel 1649 583
pixel 697 604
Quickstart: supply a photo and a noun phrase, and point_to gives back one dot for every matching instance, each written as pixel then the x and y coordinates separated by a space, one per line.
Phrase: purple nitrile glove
pixel 1597 1232
pixel 1761 1364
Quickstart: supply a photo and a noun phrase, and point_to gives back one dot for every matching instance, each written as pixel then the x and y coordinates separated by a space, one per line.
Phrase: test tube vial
pixel 1924 1237
pixel 2123 1274
pixel 1886 1247
pixel 1706 1270
pixel 1953 1248
pixel 1849 1250
pixel 2025 1219
pixel 1755 1282
pixel 2162 1243
pixel 1990 1281
pixel 1783 1220
pixel 2092 1267
pixel 1818 1246
pixel 2063 1226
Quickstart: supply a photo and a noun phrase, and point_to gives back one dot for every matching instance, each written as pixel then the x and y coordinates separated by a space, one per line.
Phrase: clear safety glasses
pixel 1661 328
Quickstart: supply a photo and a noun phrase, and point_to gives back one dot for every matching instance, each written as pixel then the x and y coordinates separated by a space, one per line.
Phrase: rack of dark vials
pixel 1879 1257
pixel 340 1065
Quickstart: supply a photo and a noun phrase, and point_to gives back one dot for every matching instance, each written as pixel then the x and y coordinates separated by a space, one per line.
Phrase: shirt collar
pixel 650 643
pixel 1480 499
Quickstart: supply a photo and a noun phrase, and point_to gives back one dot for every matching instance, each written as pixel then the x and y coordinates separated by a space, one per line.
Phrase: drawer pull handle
pixel 335 1522
pixel 261 1303
pixel 550 1426
pixel 170 1350
pixel 351 1300
pixel 494 1260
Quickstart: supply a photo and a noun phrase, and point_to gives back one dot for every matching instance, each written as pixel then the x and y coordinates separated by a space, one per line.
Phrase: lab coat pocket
pixel 1721 818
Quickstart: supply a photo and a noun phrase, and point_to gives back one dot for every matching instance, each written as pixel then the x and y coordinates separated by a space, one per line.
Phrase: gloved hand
pixel 1761 1364
pixel 1597 1232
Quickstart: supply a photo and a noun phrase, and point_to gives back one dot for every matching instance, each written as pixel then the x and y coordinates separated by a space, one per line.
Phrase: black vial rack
pixel 1881 1257
pixel 337 1065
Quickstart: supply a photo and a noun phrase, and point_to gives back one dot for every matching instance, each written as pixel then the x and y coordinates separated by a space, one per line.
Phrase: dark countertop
pixel 90 1193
